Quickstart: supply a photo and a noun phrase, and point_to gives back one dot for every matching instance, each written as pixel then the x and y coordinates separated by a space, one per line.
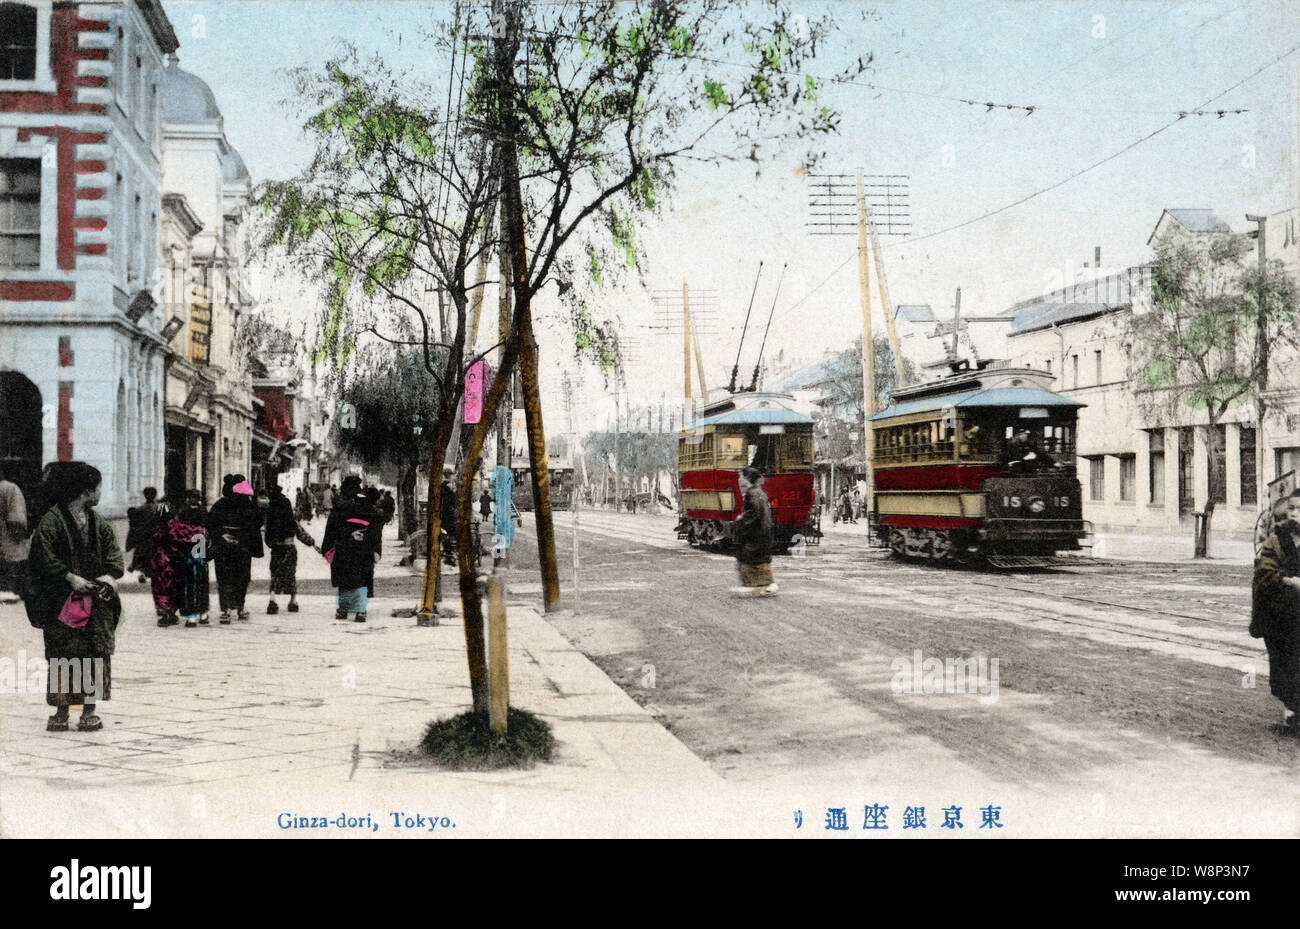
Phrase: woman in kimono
pixel 180 564
pixel 74 551
pixel 235 530
pixel 352 545
pixel 1275 607
pixel 282 530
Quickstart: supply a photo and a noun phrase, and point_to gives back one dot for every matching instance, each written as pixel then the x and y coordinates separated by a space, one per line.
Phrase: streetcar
pixel 978 466
pixel 561 484
pixel 750 428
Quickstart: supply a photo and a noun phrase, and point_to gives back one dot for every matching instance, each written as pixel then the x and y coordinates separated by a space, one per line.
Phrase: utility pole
pixel 956 321
pixel 886 197
pixel 573 454
pixel 686 347
pixel 618 497
pixel 528 375
pixel 900 378
pixel 868 346
pixel 1261 351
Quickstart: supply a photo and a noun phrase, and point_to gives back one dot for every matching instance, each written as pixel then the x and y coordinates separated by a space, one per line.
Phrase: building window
pixel 25 46
pixel 1249 489
pixel 1127 474
pixel 1048 365
pixel 1096 478
pixel 1186 500
pixel 1157 467
pixel 1097 358
pixel 1219 441
pixel 20 213
pixel 1287 460
pixel 1074 366
pixel 18 47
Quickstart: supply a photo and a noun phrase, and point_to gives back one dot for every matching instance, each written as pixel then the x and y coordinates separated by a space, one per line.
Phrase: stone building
pixel 210 407
pixel 81 352
pixel 1144 462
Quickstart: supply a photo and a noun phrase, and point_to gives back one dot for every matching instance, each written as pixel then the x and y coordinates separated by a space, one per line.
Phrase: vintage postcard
pixel 651 418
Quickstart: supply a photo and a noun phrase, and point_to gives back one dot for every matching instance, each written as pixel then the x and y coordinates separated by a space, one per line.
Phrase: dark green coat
pixel 53 556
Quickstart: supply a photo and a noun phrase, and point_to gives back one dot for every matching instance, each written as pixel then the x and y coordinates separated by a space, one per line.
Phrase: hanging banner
pixel 475 378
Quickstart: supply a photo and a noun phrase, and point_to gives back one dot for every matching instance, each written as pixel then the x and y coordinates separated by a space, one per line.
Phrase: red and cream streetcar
pixel 978 465
pixel 751 428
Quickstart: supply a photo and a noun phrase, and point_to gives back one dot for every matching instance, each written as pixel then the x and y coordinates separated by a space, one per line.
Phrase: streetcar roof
pixel 992 396
pixel 751 417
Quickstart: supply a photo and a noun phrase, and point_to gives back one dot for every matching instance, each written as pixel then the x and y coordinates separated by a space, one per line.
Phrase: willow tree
pixel 393 219
pixel 597 107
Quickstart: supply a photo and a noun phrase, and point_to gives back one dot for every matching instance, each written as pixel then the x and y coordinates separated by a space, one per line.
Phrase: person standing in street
pixel 179 575
pixel 447 518
pixel 752 536
pixel 302 506
pixel 846 507
pixel 282 530
pixel 1275 607
pixel 485 505
pixel 13 538
pixel 141 521
pixel 352 544
pixel 235 530
pixel 73 569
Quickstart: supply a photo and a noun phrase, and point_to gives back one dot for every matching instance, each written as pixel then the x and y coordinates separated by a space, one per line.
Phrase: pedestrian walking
pixel 179 580
pixel 352 544
pixel 1275 607
pixel 74 565
pixel 302 506
pixel 752 537
pixel 447 518
pixel 846 507
pixel 13 538
pixel 387 506
pixel 282 530
pixel 485 505
pixel 235 530
pixel 140 521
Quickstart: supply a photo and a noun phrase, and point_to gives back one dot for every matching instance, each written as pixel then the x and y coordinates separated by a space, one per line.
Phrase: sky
pixel 1106 81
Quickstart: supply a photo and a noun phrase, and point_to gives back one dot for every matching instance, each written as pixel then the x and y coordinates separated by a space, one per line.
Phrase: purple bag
pixel 76 610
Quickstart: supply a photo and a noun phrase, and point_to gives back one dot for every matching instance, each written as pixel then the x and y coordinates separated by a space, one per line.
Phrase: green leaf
pixel 715 95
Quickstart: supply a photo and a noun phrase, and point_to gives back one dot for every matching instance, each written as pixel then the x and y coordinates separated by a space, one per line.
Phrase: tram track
pixel 1217 649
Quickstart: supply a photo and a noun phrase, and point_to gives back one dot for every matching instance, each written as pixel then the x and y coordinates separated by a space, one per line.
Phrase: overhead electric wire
pixel 1050 187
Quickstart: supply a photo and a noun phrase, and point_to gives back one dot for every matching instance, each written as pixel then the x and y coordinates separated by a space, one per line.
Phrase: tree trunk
pixel 527 356
pixel 431 592
pixel 1214 481
pixel 471 602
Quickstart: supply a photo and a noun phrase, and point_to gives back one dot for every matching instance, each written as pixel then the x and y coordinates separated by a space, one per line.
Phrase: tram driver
pixel 1024 456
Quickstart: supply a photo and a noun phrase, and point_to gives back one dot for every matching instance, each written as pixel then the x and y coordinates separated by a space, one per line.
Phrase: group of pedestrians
pixel 67 573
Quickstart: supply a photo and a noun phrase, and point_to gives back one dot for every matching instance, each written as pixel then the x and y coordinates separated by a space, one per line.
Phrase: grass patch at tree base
pixel 467 742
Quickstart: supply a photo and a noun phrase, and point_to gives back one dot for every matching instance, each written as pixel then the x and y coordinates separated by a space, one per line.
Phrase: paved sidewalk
pixel 217 730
